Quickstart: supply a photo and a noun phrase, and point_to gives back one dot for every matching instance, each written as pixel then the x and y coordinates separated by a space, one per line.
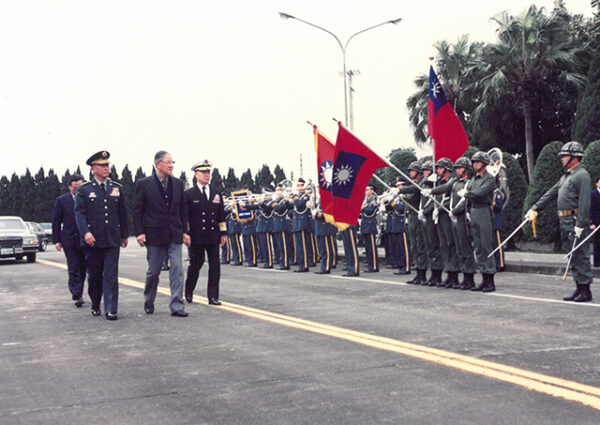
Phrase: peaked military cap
pixel 98 158
pixel 300 181
pixel 202 166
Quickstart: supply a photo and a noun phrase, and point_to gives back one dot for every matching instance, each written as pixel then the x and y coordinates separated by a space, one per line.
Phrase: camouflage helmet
pixel 481 157
pixel 415 166
pixel 427 165
pixel 444 163
pixel 571 149
pixel 464 162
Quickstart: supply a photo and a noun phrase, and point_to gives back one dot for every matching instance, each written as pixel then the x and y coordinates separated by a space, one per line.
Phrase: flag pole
pixel 389 187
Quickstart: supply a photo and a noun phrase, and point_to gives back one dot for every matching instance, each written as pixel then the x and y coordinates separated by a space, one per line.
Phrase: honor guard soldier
pixel 281 230
pixel 368 227
pixel 479 195
pixel 432 241
pixel 444 168
pixel 234 229
pixel 400 245
pixel 66 237
pixel 460 225
pixel 101 218
pixel 573 200
pixel 264 228
pixel 416 231
pixel 208 231
pixel 300 226
pixel 322 232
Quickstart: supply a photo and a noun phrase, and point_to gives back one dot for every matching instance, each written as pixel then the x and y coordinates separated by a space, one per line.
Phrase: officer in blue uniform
pixel 281 230
pixel 350 251
pixel 400 242
pixel 300 226
pixel 322 233
pixel 101 218
pixel 264 228
pixel 368 228
pixel 234 230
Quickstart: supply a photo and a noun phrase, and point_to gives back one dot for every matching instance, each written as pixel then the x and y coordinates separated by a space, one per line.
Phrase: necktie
pixel 165 184
pixel 204 191
pixel 103 188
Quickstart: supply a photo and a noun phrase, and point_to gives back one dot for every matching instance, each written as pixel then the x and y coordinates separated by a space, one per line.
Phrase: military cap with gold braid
pixel 99 158
pixel 202 166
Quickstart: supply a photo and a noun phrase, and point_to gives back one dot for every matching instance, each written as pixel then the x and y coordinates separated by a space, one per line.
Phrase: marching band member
pixel 301 226
pixel 400 245
pixel 264 228
pixel 226 249
pixel 322 232
pixel 281 230
pixel 368 228
pixel 234 229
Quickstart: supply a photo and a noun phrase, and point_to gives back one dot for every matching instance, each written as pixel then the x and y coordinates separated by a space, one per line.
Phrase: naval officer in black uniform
pixel 101 218
pixel 208 231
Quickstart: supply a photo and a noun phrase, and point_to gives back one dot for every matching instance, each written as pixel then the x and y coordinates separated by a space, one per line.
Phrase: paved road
pixel 254 361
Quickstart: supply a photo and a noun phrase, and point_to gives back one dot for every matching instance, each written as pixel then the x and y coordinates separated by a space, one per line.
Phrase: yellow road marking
pixel 556 387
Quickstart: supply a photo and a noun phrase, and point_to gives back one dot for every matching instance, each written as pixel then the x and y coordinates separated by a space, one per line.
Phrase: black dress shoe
pixel 149 309
pixel 189 298
pixel 236 264
pixel 96 311
pixel 371 271
pixel 402 272
pixel 350 274
pixel 322 272
pixel 214 301
pixel 267 267
pixel 300 270
pixel 179 314
pixel 111 316
pixel 283 268
pixel 79 303
pixel 250 265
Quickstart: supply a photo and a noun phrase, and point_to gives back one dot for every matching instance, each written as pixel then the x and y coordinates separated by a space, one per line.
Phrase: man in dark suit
pixel 159 218
pixel 101 218
pixel 208 230
pixel 595 221
pixel 65 236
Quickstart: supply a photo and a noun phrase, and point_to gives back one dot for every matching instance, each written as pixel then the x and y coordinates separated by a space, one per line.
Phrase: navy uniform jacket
pixel 64 227
pixel 160 215
pixel 249 227
pixel 595 207
pixel 280 221
pixel 321 226
pixel 398 213
pixel 368 223
pixel 264 219
pixel 105 216
pixel 233 226
pixel 206 217
pixel 301 213
pixel 497 208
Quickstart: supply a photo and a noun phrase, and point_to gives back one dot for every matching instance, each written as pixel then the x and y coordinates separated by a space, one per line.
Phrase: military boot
pixel 468 282
pixel 482 284
pixel 414 279
pixel 575 294
pixel 448 277
pixel 491 286
pixel 454 284
pixel 585 294
pixel 436 278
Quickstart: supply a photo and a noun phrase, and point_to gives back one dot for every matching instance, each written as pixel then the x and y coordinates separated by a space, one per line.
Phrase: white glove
pixel 461 193
pixel 453 218
pixel 435 214
pixel 531 215
pixel 468 217
pixel 426 192
pixel 421 216
pixel 578 231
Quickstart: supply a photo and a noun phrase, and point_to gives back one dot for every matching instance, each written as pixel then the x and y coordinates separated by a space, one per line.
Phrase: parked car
pixel 47 229
pixel 39 232
pixel 16 240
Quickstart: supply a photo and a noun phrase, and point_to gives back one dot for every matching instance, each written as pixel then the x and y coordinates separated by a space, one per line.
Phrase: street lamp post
pixel 343 47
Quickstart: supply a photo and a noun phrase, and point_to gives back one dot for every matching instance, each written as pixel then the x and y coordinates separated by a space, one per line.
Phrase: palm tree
pixel 533 50
pixel 451 64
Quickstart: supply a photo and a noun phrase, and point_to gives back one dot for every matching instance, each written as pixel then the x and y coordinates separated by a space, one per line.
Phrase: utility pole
pixel 351 74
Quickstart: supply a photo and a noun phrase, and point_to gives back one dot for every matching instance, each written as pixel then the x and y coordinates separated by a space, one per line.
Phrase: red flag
pixel 353 167
pixel 443 126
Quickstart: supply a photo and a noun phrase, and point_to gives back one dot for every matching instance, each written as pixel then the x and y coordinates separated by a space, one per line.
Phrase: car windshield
pixel 11 224
pixel 46 225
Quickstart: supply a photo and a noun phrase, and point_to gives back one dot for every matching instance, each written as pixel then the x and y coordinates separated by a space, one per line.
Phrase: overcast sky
pixel 228 81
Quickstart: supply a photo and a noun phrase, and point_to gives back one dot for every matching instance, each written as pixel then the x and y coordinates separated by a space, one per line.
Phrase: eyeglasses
pixel 168 162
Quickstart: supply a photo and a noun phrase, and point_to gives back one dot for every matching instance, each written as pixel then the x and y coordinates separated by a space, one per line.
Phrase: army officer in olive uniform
pixel 101 218
pixel 208 231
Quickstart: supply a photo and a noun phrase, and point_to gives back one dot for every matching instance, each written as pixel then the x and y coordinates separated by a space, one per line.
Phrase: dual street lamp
pixel 343 47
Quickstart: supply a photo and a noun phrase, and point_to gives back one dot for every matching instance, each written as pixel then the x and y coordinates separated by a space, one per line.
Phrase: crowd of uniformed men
pixel 445 218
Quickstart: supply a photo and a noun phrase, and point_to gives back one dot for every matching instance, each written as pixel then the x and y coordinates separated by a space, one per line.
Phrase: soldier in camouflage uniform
pixel 573 198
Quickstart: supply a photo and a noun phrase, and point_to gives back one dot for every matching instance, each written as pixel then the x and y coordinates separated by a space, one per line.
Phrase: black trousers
pixel 76 266
pixel 214 269
pixel 103 278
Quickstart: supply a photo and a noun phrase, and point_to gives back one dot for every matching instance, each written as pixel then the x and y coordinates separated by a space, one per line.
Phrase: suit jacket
pixel 595 207
pixel 64 227
pixel 206 217
pixel 163 225
pixel 104 215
